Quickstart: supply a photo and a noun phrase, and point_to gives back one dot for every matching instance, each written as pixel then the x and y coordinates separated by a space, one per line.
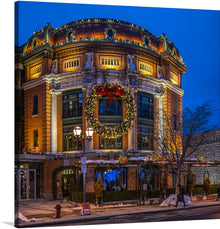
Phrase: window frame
pixel 35 105
pixel 35 143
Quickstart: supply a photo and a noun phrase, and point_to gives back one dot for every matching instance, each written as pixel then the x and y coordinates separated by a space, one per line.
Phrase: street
pixel 188 214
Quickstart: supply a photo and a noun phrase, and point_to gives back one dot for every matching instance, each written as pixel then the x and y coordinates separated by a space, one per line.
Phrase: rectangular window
pixel 70 143
pixel 145 138
pixel 35 105
pixel 109 109
pixel 71 63
pixel 35 70
pixel 105 143
pixel 72 103
pixel 146 68
pixel 145 105
pixel 174 78
pixel 36 138
pixel 110 61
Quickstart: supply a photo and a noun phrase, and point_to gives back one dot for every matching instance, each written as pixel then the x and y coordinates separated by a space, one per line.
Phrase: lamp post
pixel 78 135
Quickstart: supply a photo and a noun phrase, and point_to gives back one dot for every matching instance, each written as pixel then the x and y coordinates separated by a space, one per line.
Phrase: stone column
pixel 53 133
pixel 131 132
pixel 160 118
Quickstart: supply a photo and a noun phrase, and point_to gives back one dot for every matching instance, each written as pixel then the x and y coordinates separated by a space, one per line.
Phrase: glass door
pixel 23 184
pixel 27 184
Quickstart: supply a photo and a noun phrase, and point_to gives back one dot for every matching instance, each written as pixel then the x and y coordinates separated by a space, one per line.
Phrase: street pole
pixel 84 172
pixel 77 133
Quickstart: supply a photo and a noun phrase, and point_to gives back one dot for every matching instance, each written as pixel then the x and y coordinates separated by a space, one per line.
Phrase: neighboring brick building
pixel 57 69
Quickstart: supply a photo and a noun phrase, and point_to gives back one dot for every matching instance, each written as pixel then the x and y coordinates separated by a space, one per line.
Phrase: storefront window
pixel 70 143
pixel 113 179
pixel 150 177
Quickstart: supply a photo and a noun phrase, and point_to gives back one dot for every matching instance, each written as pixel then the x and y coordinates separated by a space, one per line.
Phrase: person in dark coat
pixel 180 196
pixel 218 191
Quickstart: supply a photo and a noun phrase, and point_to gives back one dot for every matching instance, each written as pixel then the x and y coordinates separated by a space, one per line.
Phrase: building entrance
pixel 67 182
pixel 27 183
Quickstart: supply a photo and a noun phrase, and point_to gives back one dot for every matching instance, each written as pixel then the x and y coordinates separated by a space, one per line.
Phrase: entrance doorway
pixel 27 183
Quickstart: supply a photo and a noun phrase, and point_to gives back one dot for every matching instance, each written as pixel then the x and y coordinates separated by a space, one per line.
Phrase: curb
pixel 110 216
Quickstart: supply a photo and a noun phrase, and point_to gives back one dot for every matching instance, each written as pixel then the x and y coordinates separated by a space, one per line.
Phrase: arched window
pixel 34 44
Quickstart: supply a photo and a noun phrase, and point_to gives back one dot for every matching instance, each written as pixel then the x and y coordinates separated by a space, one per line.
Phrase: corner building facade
pixel 56 71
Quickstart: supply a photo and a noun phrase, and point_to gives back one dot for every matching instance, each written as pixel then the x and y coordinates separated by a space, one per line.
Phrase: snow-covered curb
pixel 171 201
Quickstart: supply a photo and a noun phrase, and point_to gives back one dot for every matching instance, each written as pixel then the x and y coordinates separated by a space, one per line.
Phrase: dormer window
pixel 110 33
pixel 146 41
pixel 70 36
pixel 34 44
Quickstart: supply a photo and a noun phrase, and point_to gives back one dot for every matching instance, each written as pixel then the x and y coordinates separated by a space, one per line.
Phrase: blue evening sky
pixel 196 34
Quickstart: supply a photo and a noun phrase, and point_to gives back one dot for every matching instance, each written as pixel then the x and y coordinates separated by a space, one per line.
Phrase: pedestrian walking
pixel 218 191
pixel 180 196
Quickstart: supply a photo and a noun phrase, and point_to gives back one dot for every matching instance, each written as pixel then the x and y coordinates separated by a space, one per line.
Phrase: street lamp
pixel 77 131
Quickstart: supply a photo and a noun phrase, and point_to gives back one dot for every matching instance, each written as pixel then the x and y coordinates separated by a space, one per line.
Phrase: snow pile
pixel 19 218
pixel 171 201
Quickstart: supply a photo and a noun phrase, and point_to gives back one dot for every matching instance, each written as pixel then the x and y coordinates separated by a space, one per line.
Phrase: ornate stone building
pixel 206 159
pixel 56 72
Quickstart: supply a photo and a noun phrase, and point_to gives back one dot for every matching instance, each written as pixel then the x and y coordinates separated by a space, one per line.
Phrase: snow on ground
pixel 171 201
pixel 20 218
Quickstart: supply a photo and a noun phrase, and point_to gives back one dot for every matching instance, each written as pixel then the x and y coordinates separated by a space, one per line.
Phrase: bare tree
pixel 183 136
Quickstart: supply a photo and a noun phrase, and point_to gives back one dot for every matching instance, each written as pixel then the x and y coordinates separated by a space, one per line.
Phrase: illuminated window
pixel 113 179
pixel 35 70
pixel 174 78
pixel 105 143
pixel 145 138
pixel 70 143
pixel 146 68
pixel 72 63
pixel 110 62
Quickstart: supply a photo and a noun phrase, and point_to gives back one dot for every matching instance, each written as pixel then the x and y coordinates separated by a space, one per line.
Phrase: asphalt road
pixel 188 214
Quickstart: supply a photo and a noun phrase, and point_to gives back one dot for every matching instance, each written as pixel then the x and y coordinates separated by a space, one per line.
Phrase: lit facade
pixel 56 70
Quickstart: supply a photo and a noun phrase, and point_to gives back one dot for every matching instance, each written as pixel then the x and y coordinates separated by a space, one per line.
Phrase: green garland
pixel 102 130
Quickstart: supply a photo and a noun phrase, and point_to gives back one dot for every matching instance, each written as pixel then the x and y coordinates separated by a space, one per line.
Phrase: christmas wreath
pixel 110 90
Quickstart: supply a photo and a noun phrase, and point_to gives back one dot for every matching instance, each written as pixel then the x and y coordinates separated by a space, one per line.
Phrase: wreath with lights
pixel 111 90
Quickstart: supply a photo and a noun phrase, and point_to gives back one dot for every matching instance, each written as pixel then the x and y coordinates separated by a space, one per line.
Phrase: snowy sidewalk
pixel 43 211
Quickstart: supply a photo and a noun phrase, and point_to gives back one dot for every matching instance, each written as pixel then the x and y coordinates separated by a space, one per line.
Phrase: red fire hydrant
pixel 58 208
